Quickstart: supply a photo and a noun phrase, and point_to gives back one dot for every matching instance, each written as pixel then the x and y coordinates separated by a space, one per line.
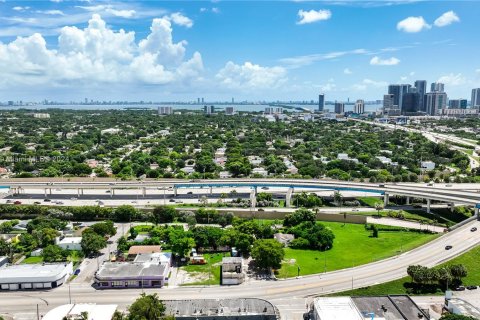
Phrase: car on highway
pixel 9 201
pixel 448 247
pixel 73 198
pixel 472 287
pixel 264 188
pixel 77 272
pixel 171 200
pixel 473 229
pixel 47 200
pixel 189 192
pixel 460 288
pixel 178 201
pixel 37 202
pixel 17 202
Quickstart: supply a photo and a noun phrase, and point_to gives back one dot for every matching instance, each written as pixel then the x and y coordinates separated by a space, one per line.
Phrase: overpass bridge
pixel 452 195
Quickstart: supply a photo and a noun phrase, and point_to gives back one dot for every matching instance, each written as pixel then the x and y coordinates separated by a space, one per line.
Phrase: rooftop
pixel 144 249
pixel 73 311
pixel 337 308
pixel 109 270
pixel 26 272
pixel 212 308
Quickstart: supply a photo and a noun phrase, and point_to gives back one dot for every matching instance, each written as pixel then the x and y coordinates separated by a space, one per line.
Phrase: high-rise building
pixel 421 86
pixel 321 102
pixel 410 103
pixel 339 108
pixel 398 90
pixel 457 104
pixel 164 110
pixel 387 102
pixel 437 87
pixel 208 109
pixel 436 101
pixel 475 102
pixel 359 107
pixel 273 110
pixel 229 111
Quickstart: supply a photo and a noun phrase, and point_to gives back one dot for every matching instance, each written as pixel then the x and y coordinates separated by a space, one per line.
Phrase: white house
pixel 428 165
pixel 225 175
pixel 260 171
pixel 69 243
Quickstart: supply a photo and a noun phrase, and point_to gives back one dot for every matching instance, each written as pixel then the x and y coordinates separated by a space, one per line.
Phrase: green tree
pixel 92 242
pixel 105 228
pixel 268 253
pixel 147 307
pixel 125 213
pixel 46 236
pixel 452 316
pixel 163 214
pixel 54 253
pixel 299 216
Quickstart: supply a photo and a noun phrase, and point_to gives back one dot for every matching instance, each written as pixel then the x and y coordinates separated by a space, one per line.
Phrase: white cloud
pixel 376 61
pixel 18 8
pixel 121 13
pixel 181 20
pixel 369 83
pixel 413 24
pixel 347 71
pixel 452 79
pixel 313 16
pixel 251 76
pixel 52 12
pixel 98 54
pixel 477 71
pixel 203 9
pixel 215 10
pixel 300 61
pixel 446 19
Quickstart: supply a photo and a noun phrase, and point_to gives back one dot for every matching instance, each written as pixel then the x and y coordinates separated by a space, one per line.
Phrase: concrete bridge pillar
pixel 78 192
pixel 452 207
pixel 211 190
pixel 476 213
pixel 253 199
pixel 144 191
pixel 385 200
pixel 255 190
pixel 175 191
pixel 45 191
pixel 50 191
pixel 407 202
pixel 111 192
pixel 428 205
pixel 288 198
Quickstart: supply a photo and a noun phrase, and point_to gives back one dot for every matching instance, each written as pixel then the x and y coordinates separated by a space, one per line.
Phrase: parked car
pixel 460 288
pixel 473 229
pixel 472 287
pixel 17 202
pixel 77 272
pixel 448 247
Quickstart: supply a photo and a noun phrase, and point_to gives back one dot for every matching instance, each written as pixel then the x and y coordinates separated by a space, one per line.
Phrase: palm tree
pixel 378 207
pixel 337 197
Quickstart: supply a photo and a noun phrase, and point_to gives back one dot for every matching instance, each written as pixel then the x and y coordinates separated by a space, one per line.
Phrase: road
pixel 289 295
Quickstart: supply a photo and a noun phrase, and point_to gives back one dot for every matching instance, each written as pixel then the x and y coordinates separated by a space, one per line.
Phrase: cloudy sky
pixel 160 51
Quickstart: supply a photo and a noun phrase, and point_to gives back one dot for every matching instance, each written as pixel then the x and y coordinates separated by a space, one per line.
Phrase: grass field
pixel 412 215
pixel 370 201
pixel 32 260
pixel 352 246
pixel 210 270
pixel 469 260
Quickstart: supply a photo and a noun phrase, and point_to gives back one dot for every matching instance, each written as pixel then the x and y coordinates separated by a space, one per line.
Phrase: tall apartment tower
pixel 475 102
pixel 321 102
pixel 339 108
pixel 359 107
pixel 164 110
pixel 387 102
pixel 421 86
pixel 437 87
pixel 436 101
pixel 398 90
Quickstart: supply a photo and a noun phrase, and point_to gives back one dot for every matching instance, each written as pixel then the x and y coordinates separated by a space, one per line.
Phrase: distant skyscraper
pixel 164 110
pixel 229 111
pixel 410 103
pixel 387 102
pixel 475 102
pixel 457 104
pixel 198 100
pixel 421 86
pixel 321 102
pixel 208 109
pixel 359 107
pixel 339 108
pixel 203 100
pixel 273 110
pixel 398 90
pixel 437 87
pixel 436 101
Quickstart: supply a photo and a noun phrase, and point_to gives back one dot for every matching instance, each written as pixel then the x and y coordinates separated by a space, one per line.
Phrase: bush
pixel 299 243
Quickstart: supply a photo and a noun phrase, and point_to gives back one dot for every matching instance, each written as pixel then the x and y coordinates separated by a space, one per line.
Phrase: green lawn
pixel 352 246
pixel 413 215
pixel 370 201
pixel 469 260
pixel 210 270
pixel 32 260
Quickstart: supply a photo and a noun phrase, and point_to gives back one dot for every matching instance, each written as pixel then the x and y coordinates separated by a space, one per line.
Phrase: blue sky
pixel 155 50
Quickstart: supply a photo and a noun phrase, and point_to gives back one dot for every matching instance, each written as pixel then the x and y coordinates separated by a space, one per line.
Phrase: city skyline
pixel 178 51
